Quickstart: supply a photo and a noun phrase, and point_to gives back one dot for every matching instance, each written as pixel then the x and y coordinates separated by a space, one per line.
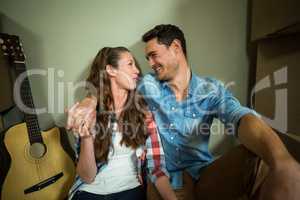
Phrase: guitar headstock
pixel 12 47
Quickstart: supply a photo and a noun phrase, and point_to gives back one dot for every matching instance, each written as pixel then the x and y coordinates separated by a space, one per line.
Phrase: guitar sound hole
pixel 37 150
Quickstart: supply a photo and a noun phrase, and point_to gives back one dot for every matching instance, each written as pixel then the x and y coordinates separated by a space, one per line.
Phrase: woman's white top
pixel 119 174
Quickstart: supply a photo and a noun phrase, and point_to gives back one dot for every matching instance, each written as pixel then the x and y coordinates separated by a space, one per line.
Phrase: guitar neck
pixel 27 99
pixel 13 50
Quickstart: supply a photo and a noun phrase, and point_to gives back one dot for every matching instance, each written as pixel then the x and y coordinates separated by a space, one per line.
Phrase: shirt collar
pixel 192 84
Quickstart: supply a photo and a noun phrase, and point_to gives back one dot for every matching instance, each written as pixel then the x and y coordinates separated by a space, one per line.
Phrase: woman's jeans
pixel 138 193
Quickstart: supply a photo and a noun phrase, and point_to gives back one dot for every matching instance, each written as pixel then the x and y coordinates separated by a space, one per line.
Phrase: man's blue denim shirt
pixel 184 126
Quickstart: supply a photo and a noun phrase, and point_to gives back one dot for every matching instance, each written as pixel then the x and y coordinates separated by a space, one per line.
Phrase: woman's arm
pixel 86 165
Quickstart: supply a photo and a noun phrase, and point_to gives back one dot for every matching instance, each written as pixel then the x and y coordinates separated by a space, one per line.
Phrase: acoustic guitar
pixel 39 163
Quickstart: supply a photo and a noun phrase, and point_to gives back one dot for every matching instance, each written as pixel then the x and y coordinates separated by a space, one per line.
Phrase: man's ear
pixel 176 44
pixel 111 71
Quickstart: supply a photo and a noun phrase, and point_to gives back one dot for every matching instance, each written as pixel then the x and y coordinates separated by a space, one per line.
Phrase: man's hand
pixel 282 182
pixel 82 116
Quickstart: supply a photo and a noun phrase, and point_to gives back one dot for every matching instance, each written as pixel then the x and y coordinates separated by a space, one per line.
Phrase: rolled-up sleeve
pixel 228 109
pixel 155 158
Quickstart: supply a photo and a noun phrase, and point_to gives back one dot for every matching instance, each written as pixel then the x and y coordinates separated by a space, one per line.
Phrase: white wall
pixel 65 35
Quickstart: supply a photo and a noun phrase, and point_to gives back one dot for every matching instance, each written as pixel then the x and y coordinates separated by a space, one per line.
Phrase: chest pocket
pixel 193 111
pixel 192 118
pixel 197 108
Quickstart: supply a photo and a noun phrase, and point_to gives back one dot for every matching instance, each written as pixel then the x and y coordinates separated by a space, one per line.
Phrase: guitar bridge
pixel 43 184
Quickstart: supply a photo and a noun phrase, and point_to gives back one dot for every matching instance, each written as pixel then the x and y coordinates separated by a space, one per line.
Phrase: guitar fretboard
pixel 12 48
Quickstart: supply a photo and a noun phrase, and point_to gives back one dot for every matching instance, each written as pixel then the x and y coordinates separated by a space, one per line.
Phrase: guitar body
pixel 26 171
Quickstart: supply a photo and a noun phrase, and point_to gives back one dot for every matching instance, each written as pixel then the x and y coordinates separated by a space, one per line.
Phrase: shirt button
pixel 194 115
pixel 171 125
pixel 173 108
pixel 172 138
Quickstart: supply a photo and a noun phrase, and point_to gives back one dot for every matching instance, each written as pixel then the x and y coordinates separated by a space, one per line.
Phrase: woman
pixel 124 134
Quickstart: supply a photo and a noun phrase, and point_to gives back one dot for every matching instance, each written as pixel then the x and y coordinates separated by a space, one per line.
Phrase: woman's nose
pixel 136 70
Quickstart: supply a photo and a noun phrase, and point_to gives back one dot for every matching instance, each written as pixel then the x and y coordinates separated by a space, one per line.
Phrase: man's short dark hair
pixel 165 34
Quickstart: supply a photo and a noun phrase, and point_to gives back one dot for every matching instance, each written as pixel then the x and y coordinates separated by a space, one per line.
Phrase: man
pixel 184 106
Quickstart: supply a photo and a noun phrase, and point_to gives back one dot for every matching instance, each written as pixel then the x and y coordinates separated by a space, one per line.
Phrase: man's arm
pixel 164 188
pixel 283 180
pixel 253 133
pixel 156 162
pixel 258 137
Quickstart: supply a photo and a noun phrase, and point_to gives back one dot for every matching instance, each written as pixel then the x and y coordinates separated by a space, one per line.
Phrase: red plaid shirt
pixel 154 153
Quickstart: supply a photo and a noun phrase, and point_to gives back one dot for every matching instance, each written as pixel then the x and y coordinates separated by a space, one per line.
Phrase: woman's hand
pixel 86 128
pixel 81 117
pixel 86 165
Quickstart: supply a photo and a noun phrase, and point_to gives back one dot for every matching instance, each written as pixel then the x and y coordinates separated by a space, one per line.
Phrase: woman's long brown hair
pixel 132 119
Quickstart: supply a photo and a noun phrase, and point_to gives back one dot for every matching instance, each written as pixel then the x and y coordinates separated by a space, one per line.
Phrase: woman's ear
pixel 111 71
